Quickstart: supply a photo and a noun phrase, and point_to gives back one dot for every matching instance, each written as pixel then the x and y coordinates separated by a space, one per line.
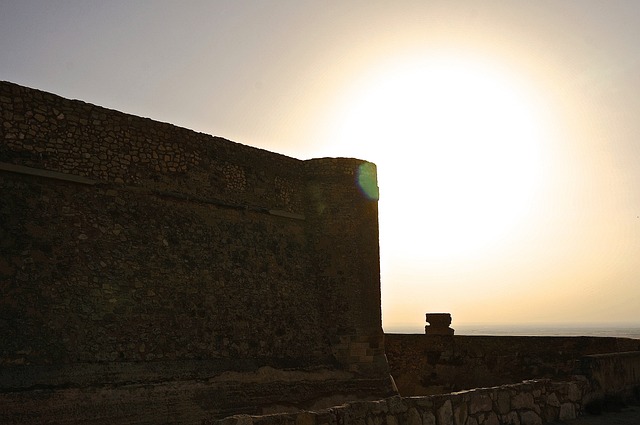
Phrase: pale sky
pixel 506 133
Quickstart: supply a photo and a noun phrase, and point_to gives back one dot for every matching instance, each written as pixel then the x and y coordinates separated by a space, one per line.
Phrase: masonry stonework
pixel 150 274
pixel 437 364
pixel 134 252
pixel 528 403
pixel 604 380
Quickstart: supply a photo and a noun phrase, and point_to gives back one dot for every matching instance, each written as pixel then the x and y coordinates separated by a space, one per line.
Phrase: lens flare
pixel 367 181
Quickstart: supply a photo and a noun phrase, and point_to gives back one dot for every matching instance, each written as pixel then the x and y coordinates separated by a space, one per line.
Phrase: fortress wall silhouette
pixel 435 364
pixel 151 274
pixel 147 269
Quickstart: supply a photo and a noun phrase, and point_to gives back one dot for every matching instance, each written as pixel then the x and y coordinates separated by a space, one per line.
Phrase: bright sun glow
pixel 459 155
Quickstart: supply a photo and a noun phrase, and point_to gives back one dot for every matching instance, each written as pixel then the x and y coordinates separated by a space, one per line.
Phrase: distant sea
pixel 621 331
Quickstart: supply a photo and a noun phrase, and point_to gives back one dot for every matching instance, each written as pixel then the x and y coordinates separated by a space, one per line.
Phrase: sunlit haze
pixel 505 134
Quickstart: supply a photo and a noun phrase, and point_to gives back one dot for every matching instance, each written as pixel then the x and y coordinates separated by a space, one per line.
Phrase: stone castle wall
pixel 137 252
pixel 434 364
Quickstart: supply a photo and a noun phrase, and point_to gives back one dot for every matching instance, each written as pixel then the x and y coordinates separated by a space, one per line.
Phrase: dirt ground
pixel 629 415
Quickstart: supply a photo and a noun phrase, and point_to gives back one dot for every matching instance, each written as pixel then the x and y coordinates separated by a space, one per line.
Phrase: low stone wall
pixel 433 364
pixel 612 376
pixel 527 403
pixel 534 402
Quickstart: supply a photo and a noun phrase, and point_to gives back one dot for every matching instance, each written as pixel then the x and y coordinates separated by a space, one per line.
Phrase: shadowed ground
pixel 629 415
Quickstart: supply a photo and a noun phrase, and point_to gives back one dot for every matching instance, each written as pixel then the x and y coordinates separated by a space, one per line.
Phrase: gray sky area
pixel 505 133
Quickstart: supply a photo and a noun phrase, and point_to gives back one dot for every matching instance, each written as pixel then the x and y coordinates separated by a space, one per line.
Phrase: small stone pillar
pixel 438 324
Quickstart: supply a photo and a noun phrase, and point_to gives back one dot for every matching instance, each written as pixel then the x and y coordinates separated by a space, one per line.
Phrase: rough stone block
pixel 461 414
pixel 522 401
pixel 552 400
pixel 567 412
pixel 504 402
pixel 428 418
pixel 413 417
pixel 445 414
pixel 438 324
pixel 530 417
pixel 480 402
pixel 491 419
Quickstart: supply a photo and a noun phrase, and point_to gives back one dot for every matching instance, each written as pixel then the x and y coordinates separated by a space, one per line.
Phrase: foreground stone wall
pixel 533 402
pixel 140 259
pixel 528 403
pixel 612 376
pixel 433 364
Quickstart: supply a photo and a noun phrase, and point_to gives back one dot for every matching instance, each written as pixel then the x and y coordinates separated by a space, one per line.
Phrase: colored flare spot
pixel 367 181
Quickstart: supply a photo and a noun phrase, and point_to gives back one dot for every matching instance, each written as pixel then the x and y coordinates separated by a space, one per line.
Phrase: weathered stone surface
pixel 428 419
pixel 461 414
pixel 522 401
pixel 504 402
pixel 432 364
pixel 552 400
pixel 511 418
pixel 445 414
pixel 182 276
pixel 425 403
pixel 375 420
pixel 155 245
pixel 567 412
pixel 574 394
pixel 443 409
pixel 480 402
pixel 530 418
pixel 491 419
pixel 413 417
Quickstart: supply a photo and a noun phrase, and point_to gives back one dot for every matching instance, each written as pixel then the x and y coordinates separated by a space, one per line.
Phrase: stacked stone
pixel 83 139
pixel 527 403
pixel 45 131
pixel 438 324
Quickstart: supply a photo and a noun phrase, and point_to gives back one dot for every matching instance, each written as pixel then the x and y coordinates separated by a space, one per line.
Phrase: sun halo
pixel 458 147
